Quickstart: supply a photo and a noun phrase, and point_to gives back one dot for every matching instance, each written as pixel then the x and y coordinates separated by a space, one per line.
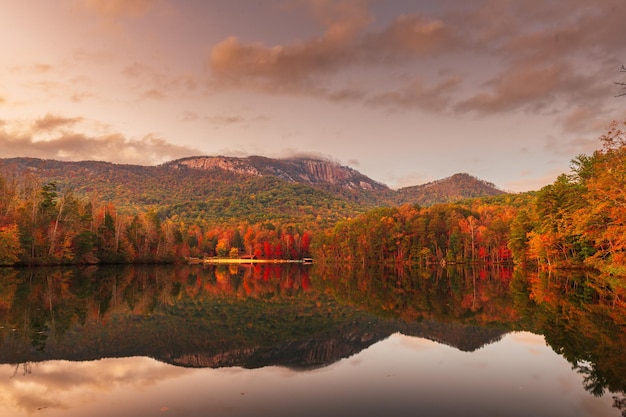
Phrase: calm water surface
pixel 308 341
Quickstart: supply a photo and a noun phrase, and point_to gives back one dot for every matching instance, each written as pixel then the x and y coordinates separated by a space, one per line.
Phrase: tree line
pixel 579 221
pixel 41 224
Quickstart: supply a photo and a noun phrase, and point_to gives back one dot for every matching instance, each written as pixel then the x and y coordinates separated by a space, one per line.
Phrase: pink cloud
pixel 119 8
pixel 537 45
pixel 409 37
pixel 73 146
pixel 417 95
pixel 51 122
pixel 513 89
pixel 307 66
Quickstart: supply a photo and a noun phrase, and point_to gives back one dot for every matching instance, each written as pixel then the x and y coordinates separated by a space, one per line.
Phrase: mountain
pixel 216 190
pixel 228 189
pixel 454 188
pixel 301 170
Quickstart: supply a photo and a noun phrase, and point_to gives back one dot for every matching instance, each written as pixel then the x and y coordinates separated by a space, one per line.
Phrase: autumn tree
pixel 605 222
pixel 10 248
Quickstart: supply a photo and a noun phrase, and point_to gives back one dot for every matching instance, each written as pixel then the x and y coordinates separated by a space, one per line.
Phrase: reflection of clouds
pixel 535 352
pixel 60 384
pixel 527 338
pixel 414 343
pixel 393 376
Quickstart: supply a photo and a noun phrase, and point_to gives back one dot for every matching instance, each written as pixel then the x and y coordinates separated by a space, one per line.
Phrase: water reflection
pixel 371 341
pixel 398 376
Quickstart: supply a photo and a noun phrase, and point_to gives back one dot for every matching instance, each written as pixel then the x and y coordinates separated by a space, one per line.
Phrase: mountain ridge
pixel 296 169
pixel 254 188
pixel 456 187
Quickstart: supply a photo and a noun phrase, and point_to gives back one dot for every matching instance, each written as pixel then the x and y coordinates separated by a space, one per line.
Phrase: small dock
pixel 254 261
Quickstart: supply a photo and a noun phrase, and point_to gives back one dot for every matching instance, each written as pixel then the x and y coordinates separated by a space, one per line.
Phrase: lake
pixel 309 340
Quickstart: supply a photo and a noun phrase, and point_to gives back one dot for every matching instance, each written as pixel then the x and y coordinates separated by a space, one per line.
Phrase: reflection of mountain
pixel 315 351
pixel 323 350
pixel 166 338
pixel 461 336
pixel 288 316
pixel 196 317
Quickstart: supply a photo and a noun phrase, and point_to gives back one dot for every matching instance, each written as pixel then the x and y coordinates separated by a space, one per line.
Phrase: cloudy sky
pixel 405 91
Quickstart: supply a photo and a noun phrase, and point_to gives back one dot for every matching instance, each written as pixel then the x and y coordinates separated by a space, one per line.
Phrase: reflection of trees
pixel 580 316
pixel 193 308
pixel 619 402
pixel 582 319
pixel 42 308
pixel 467 295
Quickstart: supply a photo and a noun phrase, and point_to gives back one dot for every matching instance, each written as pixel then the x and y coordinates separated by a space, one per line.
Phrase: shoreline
pixel 250 261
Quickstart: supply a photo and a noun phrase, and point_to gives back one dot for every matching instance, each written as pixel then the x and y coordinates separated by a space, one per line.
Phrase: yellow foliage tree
pixel 10 249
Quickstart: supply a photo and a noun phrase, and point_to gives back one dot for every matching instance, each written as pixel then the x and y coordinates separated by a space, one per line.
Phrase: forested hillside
pixel 90 212
pixel 228 190
pixel 168 214
pixel 454 188
pixel 218 196
pixel 579 221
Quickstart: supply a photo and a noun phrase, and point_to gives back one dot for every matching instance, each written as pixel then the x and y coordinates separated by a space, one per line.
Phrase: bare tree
pixel 621 84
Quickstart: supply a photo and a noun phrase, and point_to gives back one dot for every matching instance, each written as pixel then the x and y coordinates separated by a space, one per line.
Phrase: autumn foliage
pixel 40 224
pixel 579 221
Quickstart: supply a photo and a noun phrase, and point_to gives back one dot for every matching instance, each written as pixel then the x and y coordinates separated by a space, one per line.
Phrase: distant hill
pixel 229 189
pixel 454 188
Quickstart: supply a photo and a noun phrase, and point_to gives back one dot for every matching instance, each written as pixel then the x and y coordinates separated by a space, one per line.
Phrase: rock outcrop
pixel 300 170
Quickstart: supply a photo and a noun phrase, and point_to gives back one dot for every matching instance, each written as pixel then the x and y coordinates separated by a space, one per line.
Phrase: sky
pixel 404 91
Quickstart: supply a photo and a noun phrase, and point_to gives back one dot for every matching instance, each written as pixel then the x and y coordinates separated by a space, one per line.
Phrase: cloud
pixel 307 67
pixel 546 51
pixel 298 154
pixel 416 95
pixel 573 145
pixel 152 84
pixel 61 385
pixel 513 89
pixel 79 97
pixel 533 56
pixel 153 94
pixel 37 68
pixel 51 122
pixel 584 119
pixel 222 120
pixel 75 146
pixel 343 20
pixel 345 94
pixel 410 37
pixel 136 70
pixel 556 87
pixel 118 8
pixel 278 69
pixel 189 116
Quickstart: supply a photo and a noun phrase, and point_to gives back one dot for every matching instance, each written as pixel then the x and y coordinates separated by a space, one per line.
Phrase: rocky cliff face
pixel 301 170
pixel 229 164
